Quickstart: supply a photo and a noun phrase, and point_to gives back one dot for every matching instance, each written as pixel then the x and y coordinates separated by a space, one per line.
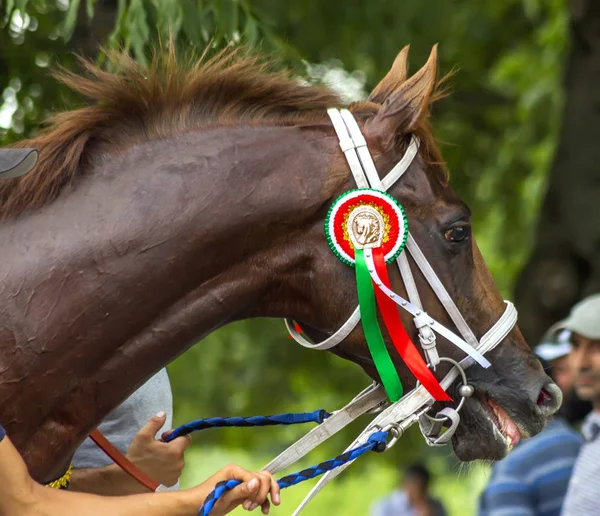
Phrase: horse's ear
pixel 402 110
pixel 393 79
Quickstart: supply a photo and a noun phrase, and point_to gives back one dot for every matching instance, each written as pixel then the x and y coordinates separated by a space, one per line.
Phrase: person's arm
pixel 20 495
pixel 163 462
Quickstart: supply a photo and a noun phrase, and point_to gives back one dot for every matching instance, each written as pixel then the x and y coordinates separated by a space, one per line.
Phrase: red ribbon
pixel 297 328
pixel 400 338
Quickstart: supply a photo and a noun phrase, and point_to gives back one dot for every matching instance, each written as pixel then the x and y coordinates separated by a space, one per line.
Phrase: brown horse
pixel 186 197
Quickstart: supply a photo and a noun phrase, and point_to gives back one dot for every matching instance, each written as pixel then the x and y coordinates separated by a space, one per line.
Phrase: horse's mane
pixel 171 96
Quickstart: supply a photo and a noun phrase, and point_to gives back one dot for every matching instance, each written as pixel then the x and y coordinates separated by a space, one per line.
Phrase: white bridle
pixel 412 407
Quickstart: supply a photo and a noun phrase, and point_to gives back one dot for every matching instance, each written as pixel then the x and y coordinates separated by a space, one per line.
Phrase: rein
pixel 394 410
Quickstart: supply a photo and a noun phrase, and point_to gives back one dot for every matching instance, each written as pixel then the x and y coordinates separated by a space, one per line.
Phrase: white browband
pixel 412 407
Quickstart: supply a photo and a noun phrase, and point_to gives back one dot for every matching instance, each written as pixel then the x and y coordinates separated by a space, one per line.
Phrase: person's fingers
pixel 252 492
pixel 275 491
pixel 265 487
pixel 179 445
pixel 165 435
pixel 265 507
pixel 150 429
pixel 245 491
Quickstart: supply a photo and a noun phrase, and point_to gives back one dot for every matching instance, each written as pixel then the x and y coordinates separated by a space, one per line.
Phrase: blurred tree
pixel 565 263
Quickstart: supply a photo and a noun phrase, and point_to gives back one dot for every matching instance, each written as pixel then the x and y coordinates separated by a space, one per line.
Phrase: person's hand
pixel 252 493
pixel 163 462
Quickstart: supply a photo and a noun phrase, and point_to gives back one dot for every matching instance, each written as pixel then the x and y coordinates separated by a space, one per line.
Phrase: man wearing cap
pixel 582 328
pixel 533 479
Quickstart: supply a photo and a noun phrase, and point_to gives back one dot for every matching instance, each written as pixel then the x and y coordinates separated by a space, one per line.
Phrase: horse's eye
pixel 458 233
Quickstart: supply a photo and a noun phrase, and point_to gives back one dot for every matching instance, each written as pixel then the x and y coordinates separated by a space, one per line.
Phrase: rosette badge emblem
pixel 365 228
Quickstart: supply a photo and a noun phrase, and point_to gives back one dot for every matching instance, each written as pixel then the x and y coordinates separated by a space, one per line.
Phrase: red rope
pixel 123 462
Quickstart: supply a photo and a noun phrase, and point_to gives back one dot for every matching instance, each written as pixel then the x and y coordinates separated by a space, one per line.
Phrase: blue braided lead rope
pixel 376 442
pixel 318 416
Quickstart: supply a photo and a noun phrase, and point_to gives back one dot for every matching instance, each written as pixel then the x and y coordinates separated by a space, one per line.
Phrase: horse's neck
pixel 152 251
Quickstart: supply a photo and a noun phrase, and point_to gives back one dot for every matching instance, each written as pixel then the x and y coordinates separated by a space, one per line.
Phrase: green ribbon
pixel 368 314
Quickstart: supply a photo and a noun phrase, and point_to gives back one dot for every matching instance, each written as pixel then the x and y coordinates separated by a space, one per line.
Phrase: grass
pixel 354 492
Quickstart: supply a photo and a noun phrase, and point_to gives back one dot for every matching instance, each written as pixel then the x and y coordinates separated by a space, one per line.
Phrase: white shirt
pixel 583 494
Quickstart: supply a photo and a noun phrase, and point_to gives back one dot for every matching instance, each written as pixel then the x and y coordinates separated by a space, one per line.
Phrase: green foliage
pixel 70 19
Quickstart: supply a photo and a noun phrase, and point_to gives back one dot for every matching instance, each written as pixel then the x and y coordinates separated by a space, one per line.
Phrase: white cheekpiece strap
pixel 330 342
pixel 408 279
pixel 440 291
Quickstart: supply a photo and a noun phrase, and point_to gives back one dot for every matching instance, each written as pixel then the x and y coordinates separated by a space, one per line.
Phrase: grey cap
pixel 16 162
pixel 584 318
pixel 555 344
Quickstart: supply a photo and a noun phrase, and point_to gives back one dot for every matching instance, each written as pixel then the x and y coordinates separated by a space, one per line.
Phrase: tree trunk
pixel 90 35
pixel 565 262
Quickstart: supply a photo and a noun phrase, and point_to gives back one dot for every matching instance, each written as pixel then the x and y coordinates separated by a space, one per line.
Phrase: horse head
pixel 514 397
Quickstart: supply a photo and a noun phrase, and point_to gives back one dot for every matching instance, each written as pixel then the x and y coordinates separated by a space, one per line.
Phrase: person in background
pixel 412 498
pixel 532 480
pixel 134 428
pixel 582 328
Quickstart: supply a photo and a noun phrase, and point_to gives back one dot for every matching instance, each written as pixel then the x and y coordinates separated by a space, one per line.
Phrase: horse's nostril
pixel 543 397
pixel 549 399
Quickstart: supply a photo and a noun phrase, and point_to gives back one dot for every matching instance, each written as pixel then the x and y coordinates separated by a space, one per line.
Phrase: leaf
pixel 192 23
pixel 226 18
pixel 113 39
pixel 70 20
pixel 10 5
pixel 176 21
pixel 21 5
pixel 89 8
pixel 231 19
pixel 251 31
pixel 139 32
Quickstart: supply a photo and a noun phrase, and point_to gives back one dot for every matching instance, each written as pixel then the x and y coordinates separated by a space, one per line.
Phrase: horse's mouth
pixel 504 428
pixel 486 430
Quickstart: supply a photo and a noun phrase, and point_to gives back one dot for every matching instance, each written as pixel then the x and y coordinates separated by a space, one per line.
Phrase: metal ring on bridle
pixel 462 395
pixel 396 432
